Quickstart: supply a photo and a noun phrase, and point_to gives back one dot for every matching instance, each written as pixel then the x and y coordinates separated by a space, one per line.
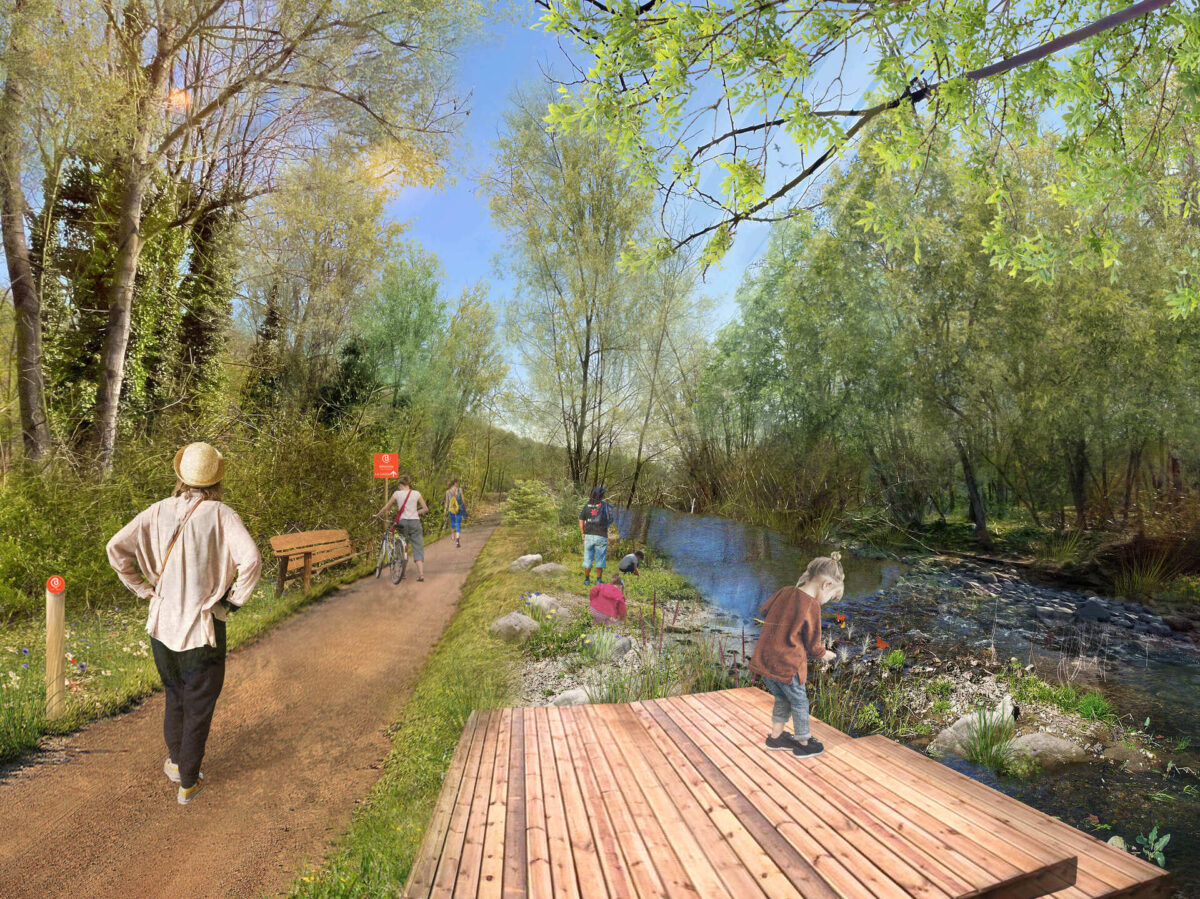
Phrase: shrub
pixel 653 680
pixel 530 502
pixel 894 660
pixel 1061 547
pixel 941 687
pixel 1143 577
pixel 1184 590
pixel 941 706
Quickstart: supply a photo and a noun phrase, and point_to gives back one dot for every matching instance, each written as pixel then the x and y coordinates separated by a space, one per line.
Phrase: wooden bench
pixel 314 550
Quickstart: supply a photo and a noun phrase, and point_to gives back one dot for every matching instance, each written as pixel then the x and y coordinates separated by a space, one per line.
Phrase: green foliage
pixel 989 741
pixel 1151 845
pixel 940 706
pixel 530 502
pixel 1184 590
pixel 893 661
pixel 702 666
pixel 598 644
pixel 1064 547
pixel 1094 705
pixel 940 687
pixel 551 641
pixel 653 680
pixel 1143 577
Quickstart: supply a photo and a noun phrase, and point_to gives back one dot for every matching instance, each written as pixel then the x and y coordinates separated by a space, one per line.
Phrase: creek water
pixel 736 566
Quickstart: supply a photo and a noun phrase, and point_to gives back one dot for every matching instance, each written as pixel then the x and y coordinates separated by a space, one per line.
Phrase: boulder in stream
pixel 953 740
pixel 1047 751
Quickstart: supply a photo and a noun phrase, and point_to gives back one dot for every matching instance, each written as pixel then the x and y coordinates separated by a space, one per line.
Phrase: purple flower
pixel 24 651
pixel 83 666
pixel 25 665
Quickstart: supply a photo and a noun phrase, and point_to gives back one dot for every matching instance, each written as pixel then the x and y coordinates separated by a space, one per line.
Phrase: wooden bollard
pixel 56 647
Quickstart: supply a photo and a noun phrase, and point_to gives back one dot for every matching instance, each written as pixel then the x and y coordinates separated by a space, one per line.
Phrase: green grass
pixel 1094 705
pixel 1060 547
pixel 469 669
pixel 894 660
pixel 598 644
pixel 112 667
pixel 1143 578
pixel 651 681
pixel 989 742
pixel 941 706
pixel 939 687
pixel 1027 687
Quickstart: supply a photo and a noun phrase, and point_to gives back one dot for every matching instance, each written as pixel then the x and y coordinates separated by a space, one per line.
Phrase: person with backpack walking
pixel 594 521
pixel 410 506
pixel 456 509
pixel 193 559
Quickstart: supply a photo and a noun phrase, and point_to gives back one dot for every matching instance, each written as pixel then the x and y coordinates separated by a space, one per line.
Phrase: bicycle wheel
pixel 383 556
pixel 399 561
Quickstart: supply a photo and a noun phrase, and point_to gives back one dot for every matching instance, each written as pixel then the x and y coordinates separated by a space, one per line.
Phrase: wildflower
pixel 24 651
pixel 83 666
pixel 881 643
pixel 26 665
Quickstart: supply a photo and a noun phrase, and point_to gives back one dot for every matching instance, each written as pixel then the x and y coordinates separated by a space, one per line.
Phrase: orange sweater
pixel 791 635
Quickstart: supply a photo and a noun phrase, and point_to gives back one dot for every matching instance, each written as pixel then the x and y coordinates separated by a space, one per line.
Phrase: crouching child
pixel 791 636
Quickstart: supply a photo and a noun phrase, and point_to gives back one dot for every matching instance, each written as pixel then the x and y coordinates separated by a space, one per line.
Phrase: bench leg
pixel 307 571
pixel 283 567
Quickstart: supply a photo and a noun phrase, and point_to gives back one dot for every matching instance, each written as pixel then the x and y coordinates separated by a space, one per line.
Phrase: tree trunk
pixel 27 305
pixel 137 171
pixel 1077 468
pixel 978 510
pixel 1131 470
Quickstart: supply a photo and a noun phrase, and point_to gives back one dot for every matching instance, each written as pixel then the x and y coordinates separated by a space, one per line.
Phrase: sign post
pixel 387 465
pixel 56 648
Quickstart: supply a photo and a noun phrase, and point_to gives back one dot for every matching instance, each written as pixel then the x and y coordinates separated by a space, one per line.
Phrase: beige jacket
pixel 212 550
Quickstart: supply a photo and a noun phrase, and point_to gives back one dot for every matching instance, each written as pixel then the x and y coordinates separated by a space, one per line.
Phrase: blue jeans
pixel 456 521
pixel 595 551
pixel 791 698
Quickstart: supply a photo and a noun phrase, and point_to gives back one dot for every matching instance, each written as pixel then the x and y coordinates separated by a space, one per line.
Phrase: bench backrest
pixel 309 541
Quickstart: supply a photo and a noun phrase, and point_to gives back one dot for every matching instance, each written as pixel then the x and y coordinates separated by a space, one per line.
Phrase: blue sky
pixel 454 222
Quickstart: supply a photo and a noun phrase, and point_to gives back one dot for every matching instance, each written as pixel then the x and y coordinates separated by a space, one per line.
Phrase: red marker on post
pixel 56 647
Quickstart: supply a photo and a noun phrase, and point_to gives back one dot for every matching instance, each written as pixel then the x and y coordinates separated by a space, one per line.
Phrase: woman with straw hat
pixel 193 559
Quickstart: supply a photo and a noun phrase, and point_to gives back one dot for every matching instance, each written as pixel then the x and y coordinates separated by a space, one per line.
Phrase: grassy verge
pixel 109 666
pixel 469 669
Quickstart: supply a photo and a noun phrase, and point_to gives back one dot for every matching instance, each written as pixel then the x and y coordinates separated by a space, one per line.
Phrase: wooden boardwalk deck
pixel 678 797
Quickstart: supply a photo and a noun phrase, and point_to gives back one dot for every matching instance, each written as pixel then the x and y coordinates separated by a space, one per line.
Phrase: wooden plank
pixel 456 833
pixel 681 861
pixel 420 877
pixel 283 567
pixel 516 874
pixel 843 865
pixel 944 855
pixel 466 884
pixel 677 808
pixel 617 878
pixel 562 862
pixel 1033 858
pixel 589 873
pixel 1101 867
pixel 798 869
pixel 491 874
pixel 762 701
pixel 307 572
pixel 638 860
pixel 537 850
pixel 809 782
pixel 749 854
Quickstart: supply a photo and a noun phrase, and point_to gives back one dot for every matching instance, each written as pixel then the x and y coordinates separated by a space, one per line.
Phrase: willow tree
pixel 570 211
pixel 740 106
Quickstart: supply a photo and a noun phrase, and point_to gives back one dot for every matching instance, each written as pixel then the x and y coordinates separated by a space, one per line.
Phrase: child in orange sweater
pixel 791 635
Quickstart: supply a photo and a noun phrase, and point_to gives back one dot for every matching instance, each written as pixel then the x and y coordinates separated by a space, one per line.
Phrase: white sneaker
pixel 186 796
pixel 171 770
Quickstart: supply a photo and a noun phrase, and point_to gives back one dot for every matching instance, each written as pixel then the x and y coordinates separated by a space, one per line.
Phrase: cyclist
pixel 456 509
pixel 410 507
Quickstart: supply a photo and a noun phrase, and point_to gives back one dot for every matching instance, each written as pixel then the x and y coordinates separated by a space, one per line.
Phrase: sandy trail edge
pixel 298 739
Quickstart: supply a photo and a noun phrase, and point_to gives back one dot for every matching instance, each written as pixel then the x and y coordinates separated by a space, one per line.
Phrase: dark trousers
pixel 193 680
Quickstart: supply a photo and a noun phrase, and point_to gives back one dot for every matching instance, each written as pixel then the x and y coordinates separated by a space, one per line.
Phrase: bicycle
pixel 393 552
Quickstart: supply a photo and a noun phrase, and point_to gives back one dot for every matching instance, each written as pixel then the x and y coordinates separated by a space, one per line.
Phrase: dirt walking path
pixel 298 739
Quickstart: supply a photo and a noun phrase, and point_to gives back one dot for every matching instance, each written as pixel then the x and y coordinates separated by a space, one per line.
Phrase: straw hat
pixel 199 465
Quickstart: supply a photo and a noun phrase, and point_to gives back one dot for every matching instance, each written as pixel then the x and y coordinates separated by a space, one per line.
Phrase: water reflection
pixel 737 566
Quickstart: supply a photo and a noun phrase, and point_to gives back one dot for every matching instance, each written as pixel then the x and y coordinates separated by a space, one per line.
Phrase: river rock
pixel 547 604
pixel 1133 760
pixel 1093 610
pixel 621 648
pixel 1179 623
pixel 524 563
pixel 550 568
pixel 514 627
pixel 1047 751
pixel 952 740
pixel 578 696
pixel 1052 614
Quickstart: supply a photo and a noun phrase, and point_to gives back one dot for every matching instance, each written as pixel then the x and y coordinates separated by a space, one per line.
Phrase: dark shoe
pixel 809 749
pixel 587 582
pixel 783 741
